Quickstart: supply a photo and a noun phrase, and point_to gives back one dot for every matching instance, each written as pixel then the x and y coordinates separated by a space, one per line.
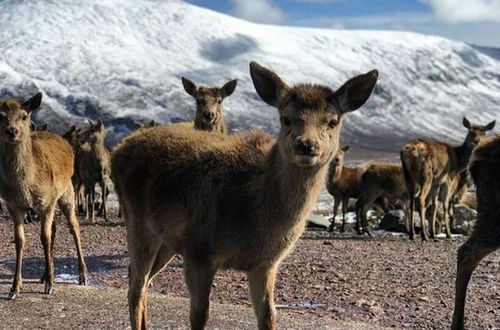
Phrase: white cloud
pixel 259 11
pixel 479 33
pixel 465 11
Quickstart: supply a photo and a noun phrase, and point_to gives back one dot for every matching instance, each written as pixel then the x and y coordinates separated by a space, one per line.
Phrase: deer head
pixel 209 108
pixel 15 118
pixel 310 115
pixel 476 132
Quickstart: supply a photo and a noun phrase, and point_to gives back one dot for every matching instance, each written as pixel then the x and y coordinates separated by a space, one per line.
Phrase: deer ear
pixel 152 123
pixel 490 126
pixel 190 87
pixel 466 123
pixel 99 123
pixel 345 149
pixel 356 91
pixel 228 88
pixel 33 103
pixel 268 84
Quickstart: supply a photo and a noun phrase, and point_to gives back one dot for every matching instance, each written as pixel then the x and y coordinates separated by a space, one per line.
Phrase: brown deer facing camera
pixel 485 238
pixel 209 108
pixel 229 201
pixel 35 173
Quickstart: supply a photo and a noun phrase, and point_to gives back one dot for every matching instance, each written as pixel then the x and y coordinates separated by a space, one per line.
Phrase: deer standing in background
pixel 94 167
pixel 209 108
pixel 426 165
pixel 35 173
pixel 229 201
pixel 383 182
pixel 485 238
pixel 342 183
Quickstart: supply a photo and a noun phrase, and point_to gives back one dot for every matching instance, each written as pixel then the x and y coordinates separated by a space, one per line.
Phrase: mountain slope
pixel 122 60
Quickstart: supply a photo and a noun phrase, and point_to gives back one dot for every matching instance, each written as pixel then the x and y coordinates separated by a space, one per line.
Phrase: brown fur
pixel 380 181
pixel 35 173
pixel 209 108
pixel 237 201
pixel 74 138
pixel 94 167
pixel 342 183
pixel 427 164
pixel 486 235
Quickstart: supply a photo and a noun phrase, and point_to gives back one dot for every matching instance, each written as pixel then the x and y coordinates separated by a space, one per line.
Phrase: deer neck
pixel 17 167
pixel 293 189
pixel 334 171
pixel 463 154
pixel 98 148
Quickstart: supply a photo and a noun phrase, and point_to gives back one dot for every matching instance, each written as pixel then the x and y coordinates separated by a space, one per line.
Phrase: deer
pixel 342 183
pixel 35 173
pixel 151 123
pixel 236 201
pixel 485 237
pixel 74 138
pixel 94 167
pixel 426 165
pixel 380 181
pixel 209 109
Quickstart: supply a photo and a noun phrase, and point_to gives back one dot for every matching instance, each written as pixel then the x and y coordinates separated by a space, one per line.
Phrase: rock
pixel 393 221
pixel 464 218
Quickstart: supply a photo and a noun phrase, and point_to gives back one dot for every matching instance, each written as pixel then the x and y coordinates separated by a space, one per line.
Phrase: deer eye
pixel 333 122
pixel 286 121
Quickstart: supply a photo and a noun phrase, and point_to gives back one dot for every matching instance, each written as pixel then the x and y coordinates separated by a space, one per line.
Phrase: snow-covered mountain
pixel 122 60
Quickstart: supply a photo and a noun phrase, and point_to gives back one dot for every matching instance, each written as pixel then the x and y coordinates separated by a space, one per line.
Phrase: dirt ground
pixel 385 281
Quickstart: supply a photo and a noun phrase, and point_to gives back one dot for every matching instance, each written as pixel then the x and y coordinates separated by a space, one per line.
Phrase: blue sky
pixel 473 21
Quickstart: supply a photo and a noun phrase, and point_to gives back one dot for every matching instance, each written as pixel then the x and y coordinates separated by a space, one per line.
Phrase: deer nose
pixel 11 131
pixel 209 115
pixel 305 148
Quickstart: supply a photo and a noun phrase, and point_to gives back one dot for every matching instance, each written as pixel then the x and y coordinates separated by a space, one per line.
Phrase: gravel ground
pixel 385 281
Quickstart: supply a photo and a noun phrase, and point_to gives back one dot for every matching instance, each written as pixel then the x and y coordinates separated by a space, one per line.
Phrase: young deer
pixel 342 183
pixel 35 173
pixel 209 108
pixel 380 181
pixel 94 167
pixel 74 138
pixel 229 201
pixel 486 235
pixel 426 165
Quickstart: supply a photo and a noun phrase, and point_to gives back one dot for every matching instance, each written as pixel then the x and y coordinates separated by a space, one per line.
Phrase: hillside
pixel 122 60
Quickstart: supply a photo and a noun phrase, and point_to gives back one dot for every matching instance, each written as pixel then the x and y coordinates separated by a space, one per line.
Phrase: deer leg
pixel 468 257
pixel 104 190
pixel 424 191
pixel 163 257
pixel 367 205
pixel 446 206
pixel 411 219
pixel 67 206
pixel 345 204
pixel 19 238
pixel 433 194
pixel 199 273
pixel 143 250
pixel 261 282
pixel 336 202
pixel 45 277
pixel 359 206
pixel 92 203
pixel 47 218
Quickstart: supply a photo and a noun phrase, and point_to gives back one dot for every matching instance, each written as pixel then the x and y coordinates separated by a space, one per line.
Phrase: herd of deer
pixel 237 200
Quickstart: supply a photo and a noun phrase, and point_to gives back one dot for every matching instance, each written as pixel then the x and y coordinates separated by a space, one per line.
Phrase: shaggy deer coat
pixel 485 238
pixel 35 173
pixel 238 201
pixel 426 165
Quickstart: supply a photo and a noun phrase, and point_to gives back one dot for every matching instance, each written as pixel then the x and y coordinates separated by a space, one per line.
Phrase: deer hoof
pixel 48 289
pixel 13 294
